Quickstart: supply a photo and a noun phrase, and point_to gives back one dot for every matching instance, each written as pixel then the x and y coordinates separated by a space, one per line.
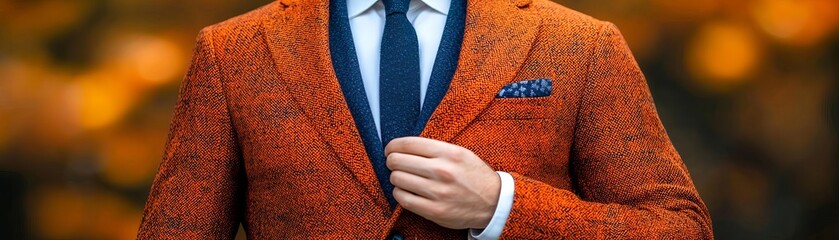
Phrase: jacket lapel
pixel 298 37
pixel 497 38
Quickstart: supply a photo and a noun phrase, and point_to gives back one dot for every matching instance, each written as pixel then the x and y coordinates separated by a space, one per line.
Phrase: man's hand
pixel 442 182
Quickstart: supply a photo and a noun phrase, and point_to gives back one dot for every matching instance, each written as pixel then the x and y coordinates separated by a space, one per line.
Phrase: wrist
pixel 502 211
pixel 490 199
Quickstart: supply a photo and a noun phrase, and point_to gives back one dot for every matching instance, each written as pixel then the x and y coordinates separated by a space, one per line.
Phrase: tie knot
pixel 396 6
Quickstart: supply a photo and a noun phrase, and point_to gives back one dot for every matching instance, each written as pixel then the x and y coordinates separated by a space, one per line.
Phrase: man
pixel 432 119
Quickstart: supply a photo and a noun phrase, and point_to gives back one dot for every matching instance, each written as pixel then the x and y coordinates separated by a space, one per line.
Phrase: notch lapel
pixel 496 40
pixel 298 37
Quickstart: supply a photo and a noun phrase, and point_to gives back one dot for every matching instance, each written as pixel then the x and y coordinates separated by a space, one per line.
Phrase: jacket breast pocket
pixel 528 136
pixel 521 108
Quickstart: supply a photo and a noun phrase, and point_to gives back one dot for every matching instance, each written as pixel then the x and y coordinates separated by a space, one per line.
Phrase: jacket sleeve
pixel 630 182
pixel 197 191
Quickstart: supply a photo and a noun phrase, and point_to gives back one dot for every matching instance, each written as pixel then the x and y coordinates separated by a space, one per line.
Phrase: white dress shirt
pixel 367 21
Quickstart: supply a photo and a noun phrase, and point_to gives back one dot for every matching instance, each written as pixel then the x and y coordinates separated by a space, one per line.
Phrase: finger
pixel 416 184
pixel 412 164
pixel 424 147
pixel 410 201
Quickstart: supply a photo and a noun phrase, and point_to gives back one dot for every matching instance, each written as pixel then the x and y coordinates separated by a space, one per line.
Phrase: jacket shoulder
pixel 558 17
pixel 246 24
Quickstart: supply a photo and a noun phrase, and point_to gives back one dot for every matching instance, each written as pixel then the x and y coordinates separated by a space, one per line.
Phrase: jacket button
pixel 396 236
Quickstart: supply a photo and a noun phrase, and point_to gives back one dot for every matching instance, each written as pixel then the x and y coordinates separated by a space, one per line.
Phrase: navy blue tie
pixel 399 76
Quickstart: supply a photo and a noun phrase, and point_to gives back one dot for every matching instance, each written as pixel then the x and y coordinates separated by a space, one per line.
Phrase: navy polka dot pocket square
pixel 540 87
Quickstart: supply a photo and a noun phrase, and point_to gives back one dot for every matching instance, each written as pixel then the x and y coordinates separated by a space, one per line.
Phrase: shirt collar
pixel 356 7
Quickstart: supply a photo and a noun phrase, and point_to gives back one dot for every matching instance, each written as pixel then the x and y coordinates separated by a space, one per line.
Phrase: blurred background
pixel 747 90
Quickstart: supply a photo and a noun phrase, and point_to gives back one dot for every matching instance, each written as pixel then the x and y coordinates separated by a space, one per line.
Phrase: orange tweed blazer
pixel 262 135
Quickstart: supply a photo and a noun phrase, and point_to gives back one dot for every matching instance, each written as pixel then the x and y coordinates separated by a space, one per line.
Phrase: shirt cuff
pixel 502 210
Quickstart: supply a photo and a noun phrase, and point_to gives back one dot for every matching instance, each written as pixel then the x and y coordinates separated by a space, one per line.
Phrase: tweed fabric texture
pixel 262 134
